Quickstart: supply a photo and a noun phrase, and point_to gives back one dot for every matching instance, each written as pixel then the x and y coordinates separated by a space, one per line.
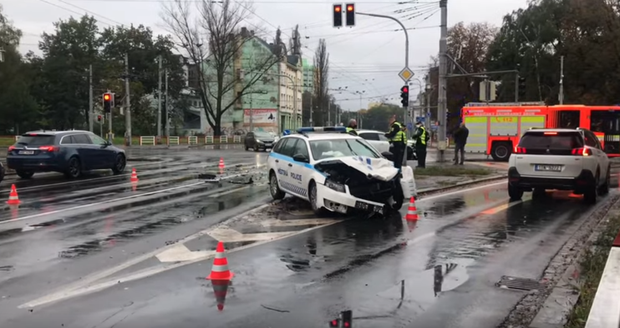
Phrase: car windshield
pixel 35 140
pixel 263 135
pixel 323 149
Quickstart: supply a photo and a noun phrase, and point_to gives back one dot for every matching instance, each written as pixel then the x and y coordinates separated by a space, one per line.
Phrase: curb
pixel 429 191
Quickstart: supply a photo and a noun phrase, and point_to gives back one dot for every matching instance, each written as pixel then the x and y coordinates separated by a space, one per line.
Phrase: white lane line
pixel 82 290
pixel 228 235
pixel 294 223
pixel 180 253
pixel 100 203
pixel 439 195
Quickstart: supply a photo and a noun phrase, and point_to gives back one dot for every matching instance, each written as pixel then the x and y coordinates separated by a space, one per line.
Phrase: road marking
pixel 67 293
pixel 180 253
pixel 294 223
pixel 228 235
pixel 500 208
pixel 100 203
pixel 230 191
pixel 439 195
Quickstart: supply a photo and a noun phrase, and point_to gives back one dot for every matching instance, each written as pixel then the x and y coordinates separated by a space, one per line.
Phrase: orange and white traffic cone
pixel 220 289
pixel 412 211
pixel 220 265
pixel 13 198
pixel 134 175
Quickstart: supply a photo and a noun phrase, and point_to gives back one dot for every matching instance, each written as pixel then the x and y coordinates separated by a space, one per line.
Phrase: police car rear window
pixel 36 140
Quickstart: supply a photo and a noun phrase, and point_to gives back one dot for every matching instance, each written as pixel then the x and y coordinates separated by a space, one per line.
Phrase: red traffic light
pixel 405 89
pixel 337 8
pixel 107 97
pixel 350 8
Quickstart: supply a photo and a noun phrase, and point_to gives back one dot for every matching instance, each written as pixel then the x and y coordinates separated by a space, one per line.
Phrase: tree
pixel 18 108
pixel 217 41
pixel 321 75
pixel 378 117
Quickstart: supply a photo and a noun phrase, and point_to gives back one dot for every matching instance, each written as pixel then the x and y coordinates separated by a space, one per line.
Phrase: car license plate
pixel 26 152
pixel 367 207
pixel 553 168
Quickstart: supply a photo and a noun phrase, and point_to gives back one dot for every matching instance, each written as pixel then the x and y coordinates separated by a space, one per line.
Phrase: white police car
pixel 336 172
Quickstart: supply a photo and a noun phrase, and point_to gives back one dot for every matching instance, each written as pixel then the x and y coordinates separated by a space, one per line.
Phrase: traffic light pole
pixel 91 115
pixel 406 118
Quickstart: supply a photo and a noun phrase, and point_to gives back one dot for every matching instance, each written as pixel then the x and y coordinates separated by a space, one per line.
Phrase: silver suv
pixel 563 159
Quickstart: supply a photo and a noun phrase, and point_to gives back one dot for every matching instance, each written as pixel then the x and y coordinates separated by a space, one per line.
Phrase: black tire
pixel 589 196
pixel 312 199
pixel 398 197
pixel 514 192
pixel 538 194
pixel 256 148
pixel 246 147
pixel 119 164
pixel 274 187
pixel 74 169
pixel 2 173
pixel 501 151
pixel 24 174
pixel 603 189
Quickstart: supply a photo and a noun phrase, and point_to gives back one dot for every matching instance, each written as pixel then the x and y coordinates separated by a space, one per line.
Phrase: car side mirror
pixel 301 158
pixel 388 155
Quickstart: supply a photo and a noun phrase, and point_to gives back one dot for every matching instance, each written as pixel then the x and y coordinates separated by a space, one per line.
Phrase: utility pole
pixel 167 109
pixel 252 113
pixel 91 115
pixel 127 102
pixel 159 97
pixel 278 100
pixel 110 136
pixel 443 70
pixel 311 110
pixel 561 93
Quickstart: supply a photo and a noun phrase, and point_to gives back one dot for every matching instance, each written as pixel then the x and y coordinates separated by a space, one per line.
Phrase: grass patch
pixel 452 171
pixel 592 267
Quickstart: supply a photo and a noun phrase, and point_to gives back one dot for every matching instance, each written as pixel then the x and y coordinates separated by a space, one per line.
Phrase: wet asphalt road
pixel 65 252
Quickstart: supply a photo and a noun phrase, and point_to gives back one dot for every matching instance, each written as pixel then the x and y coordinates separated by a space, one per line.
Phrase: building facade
pixel 308 76
pixel 291 90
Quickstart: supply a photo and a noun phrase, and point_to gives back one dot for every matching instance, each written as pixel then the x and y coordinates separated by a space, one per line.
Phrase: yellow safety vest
pixel 423 136
pixel 400 135
pixel 351 130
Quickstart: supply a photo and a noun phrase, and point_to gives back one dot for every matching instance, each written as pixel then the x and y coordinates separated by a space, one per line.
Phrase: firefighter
pixel 352 126
pixel 421 137
pixel 398 139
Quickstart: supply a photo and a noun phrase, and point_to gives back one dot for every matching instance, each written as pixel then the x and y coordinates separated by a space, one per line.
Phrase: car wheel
pixel 515 192
pixel 119 164
pixel 256 148
pixel 74 169
pixel 274 188
pixel 246 147
pixel 501 151
pixel 590 195
pixel 24 174
pixel 312 197
pixel 1 173
pixel 604 189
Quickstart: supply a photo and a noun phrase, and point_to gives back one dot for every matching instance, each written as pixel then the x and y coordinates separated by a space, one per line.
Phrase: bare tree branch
pixel 216 41
pixel 321 75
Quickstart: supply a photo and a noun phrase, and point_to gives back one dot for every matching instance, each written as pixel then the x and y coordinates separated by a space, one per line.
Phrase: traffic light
pixel 337 15
pixel 521 86
pixel 108 102
pixel 350 14
pixel 334 323
pixel 404 96
pixel 347 318
pixel 99 118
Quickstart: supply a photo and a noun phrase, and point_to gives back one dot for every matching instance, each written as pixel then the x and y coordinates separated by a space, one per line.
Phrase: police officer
pixel 352 126
pixel 398 139
pixel 421 137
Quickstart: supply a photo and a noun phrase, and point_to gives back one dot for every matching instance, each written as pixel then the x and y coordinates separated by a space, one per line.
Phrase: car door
pixel 104 155
pixel 87 151
pixel 249 139
pixel 279 162
pixel 287 165
pixel 300 172
pixel 601 157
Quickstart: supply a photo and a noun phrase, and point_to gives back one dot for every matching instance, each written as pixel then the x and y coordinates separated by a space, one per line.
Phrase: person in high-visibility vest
pixel 421 137
pixel 352 126
pixel 398 139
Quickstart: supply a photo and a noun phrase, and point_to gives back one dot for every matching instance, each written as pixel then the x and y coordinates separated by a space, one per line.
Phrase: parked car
pixel 336 172
pixel 564 159
pixel 259 140
pixel 376 139
pixel 69 152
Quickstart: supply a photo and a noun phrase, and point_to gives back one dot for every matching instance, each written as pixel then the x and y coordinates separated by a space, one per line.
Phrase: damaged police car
pixel 337 172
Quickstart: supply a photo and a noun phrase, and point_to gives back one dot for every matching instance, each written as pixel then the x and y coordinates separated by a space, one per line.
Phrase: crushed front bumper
pixel 341 202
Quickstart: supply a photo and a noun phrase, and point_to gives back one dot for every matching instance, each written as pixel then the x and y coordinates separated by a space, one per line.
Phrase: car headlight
pixel 275 139
pixel 335 186
pixel 258 140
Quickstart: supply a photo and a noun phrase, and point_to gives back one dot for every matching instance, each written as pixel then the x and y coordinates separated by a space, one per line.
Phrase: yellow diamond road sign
pixel 406 74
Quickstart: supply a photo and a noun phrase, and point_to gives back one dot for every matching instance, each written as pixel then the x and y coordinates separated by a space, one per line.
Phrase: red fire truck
pixel 495 129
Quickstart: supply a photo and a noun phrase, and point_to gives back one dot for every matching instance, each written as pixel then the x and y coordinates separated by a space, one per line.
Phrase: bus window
pixel 597 118
pixel 569 119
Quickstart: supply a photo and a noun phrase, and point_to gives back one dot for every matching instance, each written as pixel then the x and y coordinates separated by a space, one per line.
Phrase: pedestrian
pixel 421 137
pixel 398 139
pixel 352 126
pixel 460 140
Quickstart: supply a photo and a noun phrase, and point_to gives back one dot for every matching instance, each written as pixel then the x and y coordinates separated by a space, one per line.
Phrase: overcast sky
pixel 365 58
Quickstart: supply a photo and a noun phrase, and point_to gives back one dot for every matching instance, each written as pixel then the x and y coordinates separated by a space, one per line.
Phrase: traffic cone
pixel 13 198
pixel 220 289
pixel 412 211
pixel 134 175
pixel 220 265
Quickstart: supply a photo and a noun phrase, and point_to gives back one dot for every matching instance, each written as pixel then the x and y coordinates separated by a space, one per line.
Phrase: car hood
pixel 377 168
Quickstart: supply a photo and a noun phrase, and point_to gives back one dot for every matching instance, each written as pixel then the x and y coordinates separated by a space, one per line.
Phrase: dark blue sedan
pixel 69 152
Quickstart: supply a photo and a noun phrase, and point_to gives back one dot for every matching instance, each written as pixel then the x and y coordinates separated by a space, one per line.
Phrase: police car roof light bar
pixel 304 130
